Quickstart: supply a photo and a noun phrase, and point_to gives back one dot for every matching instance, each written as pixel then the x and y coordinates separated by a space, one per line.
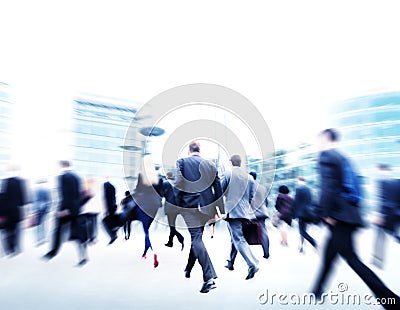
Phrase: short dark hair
pixel 236 160
pixel 384 167
pixel 253 174
pixel 127 193
pixel 194 146
pixel 283 189
pixel 65 163
pixel 331 133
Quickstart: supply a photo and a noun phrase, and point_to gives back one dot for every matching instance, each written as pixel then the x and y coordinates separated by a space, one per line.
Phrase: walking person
pixel 239 189
pixel 91 208
pixel 147 196
pixel 199 193
pixel 388 190
pixel 69 185
pixel 171 210
pixel 302 209
pixel 284 205
pixel 128 207
pixel 41 208
pixel 339 203
pixel 14 198
pixel 111 221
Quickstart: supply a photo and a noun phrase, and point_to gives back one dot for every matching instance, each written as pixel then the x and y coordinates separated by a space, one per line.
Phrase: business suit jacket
pixel 332 203
pixel 109 198
pixel 70 193
pixel 389 201
pixel 239 189
pixel 14 197
pixel 259 202
pixel 198 185
pixel 302 202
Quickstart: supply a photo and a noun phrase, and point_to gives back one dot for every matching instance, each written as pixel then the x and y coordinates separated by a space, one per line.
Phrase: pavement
pixel 117 278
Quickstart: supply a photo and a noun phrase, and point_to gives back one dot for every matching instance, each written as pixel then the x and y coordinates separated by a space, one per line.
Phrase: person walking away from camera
pixel 127 204
pixel 14 194
pixel 199 194
pixel 41 207
pixel 147 196
pixel 111 220
pixel 171 210
pixel 239 189
pixel 339 203
pixel 302 209
pixel 284 205
pixel 69 185
pixel 91 208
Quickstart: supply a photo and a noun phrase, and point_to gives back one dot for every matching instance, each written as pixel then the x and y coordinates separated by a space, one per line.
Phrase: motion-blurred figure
pixel 171 209
pixel 199 192
pixel 389 203
pixel 90 210
pixel 128 211
pixel 284 205
pixel 41 207
pixel 14 198
pixel 302 206
pixel 239 189
pixel 69 186
pixel 147 195
pixel 339 201
pixel 111 220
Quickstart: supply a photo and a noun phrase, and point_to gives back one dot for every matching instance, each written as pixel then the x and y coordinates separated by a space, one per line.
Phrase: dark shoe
pixel 156 263
pixel 48 256
pixel 301 251
pixel 112 240
pixel 182 242
pixel 82 263
pixel 266 257
pixel 187 274
pixel 252 272
pixel 229 265
pixel 208 286
pixel 169 244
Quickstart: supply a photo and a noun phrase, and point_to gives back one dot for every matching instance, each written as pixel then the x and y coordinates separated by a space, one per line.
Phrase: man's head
pixel 283 189
pixel 327 139
pixel 169 175
pixel 64 164
pixel 384 170
pixel 235 160
pixel 194 147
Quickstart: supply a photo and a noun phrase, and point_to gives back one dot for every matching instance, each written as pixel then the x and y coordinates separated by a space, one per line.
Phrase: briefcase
pixel 252 232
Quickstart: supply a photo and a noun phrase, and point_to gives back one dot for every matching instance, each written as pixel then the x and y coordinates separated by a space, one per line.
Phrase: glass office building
pixel 5 127
pixel 370 130
pixel 99 130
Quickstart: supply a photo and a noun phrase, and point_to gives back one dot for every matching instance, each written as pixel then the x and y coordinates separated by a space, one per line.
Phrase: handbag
pixel 252 232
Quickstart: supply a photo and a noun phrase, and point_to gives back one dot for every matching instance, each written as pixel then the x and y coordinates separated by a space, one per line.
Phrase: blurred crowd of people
pixel 202 197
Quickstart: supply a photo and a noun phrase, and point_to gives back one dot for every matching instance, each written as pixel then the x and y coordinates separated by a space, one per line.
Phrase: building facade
pixel 5 127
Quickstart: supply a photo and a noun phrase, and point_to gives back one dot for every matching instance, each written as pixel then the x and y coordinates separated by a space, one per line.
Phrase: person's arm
pixel 179 182
pixel 218 192
pixel 252 190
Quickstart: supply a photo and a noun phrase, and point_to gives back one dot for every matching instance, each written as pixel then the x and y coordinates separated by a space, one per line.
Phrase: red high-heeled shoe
pixel 155 261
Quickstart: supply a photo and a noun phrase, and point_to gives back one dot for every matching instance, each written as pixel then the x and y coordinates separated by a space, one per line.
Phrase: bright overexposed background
pixel 292 59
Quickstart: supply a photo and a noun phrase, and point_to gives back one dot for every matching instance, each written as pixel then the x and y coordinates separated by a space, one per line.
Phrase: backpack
pixel 351 190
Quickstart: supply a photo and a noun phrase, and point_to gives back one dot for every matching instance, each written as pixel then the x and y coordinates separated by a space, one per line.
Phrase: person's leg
pixel 264 238
pixel 146 222
pixel 60 222
pixel 283 227
pixel 301 231
pixel 346 249
pixel 330 253
pixel 190 263
pixel 171 217
pixel 307 236
pixel 233 253
pixel 236 230
pixel 379 247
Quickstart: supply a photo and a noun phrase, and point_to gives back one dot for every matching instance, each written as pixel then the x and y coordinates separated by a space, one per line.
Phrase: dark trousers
pixel 172 230
pixel 341 242
pixel 195 221
pixel 63 224
pixel 11 238
pixel 146 223
pixel 304 234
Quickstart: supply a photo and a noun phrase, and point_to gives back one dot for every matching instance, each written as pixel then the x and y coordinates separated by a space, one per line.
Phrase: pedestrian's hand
pixel 330 221
pixel 63 213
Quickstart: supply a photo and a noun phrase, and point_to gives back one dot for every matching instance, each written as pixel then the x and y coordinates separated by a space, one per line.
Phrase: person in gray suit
pixel 199 194
pixel 239 189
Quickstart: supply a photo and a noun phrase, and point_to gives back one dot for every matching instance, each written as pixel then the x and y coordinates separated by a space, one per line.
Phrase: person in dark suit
pixel 388 190
pixel 128 206
pixel 284 205
pixel 110 221
pixel 70 204
pixel 199 192
pixel 14 198
pixel 302 210
pixel 239 189
pixel 171 210
pixel 341 213
pixel 148 195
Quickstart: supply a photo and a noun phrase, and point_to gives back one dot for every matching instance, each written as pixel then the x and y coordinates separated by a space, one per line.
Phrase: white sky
pixel 290 58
